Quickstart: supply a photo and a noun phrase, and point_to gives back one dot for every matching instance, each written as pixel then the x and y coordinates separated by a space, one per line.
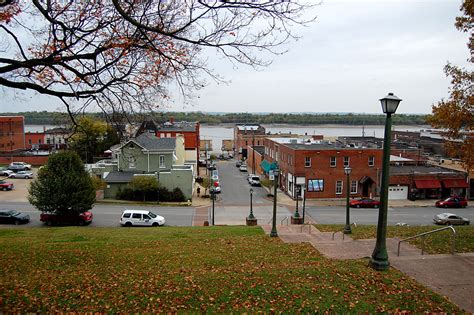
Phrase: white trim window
pixel 339 187
pixel 346 161
pixel 162 161
pixel 332 161
pixel 307 161
pixel 354 187
pixel 371 160
pixel 131 162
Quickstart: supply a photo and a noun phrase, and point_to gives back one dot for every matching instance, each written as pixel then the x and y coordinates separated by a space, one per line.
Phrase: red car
pixel 364 203
pixel 6 185
pixel 452 202
pixel 66 219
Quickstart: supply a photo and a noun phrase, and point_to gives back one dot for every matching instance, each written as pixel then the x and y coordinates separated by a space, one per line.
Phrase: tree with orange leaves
pixel 122 54
pixel 455 115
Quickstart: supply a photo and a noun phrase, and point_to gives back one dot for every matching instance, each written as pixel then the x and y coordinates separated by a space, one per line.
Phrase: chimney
pixel 172 119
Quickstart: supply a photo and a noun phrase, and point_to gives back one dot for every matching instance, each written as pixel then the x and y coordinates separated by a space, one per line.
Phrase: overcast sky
pixel 355 53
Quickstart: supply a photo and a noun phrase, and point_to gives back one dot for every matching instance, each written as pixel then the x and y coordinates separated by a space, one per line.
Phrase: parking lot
pixel 20 192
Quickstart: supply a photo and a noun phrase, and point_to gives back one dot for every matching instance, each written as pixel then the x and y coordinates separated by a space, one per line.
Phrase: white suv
pixel 254 180
pixel 141 218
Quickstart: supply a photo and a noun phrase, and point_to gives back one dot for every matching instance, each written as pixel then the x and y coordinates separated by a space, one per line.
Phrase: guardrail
pixel 309 224
pixel 353 224
pixel 422 235
pixel 285 218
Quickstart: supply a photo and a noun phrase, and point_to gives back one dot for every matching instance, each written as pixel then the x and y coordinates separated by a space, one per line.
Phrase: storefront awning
pixel 455 183
pixel 427 184
pixel 267 166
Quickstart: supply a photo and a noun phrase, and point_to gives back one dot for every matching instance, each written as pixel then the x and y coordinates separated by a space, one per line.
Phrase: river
pixel 226 132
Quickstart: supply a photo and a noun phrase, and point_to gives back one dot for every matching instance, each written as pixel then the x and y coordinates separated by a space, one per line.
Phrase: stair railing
pixel 422 235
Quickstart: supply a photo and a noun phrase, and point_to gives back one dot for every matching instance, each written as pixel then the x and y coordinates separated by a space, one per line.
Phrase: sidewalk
pixel 449 275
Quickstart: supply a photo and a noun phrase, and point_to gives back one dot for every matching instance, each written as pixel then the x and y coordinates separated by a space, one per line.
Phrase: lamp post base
pixel 347 230
pixel 251 221
pixel 296 220
pixel 380 265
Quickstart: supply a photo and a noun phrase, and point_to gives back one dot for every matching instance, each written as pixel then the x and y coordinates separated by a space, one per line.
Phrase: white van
pixel 141 218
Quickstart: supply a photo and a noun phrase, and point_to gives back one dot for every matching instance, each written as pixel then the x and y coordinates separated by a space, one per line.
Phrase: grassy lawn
pixel 208 269
pixel 437 243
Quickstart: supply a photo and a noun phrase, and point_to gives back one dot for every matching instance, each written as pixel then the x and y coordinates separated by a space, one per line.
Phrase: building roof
pixel 420 169
pixel 396 158
pixel 310 144
pixel 119 177
pixel 184 126
pixel 151 142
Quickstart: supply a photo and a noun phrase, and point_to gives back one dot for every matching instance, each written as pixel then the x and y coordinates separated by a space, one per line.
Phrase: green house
pixel 152 156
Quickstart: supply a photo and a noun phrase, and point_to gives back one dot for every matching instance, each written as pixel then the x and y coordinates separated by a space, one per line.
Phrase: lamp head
pixel 276 172
pixel 347 170
pixel 390 103
pixel 251 191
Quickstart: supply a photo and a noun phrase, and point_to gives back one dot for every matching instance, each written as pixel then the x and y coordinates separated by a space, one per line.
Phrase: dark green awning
pixel 268 166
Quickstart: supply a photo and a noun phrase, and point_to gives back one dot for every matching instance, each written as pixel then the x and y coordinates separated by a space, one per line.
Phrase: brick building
pixel 246 135
pixel 12 133
pixel 319 165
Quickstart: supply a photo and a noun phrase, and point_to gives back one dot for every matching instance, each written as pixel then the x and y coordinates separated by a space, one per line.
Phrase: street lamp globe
pixel 347 170
pixel 390 103
pixel 251 191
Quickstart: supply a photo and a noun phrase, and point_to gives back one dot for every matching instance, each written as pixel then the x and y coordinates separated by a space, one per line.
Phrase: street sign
pixel 271 175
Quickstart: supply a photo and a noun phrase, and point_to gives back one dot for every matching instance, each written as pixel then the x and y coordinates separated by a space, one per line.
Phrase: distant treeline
pixel 52 118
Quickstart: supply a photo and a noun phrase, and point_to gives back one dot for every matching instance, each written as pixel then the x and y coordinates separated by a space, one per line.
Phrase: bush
pixel 161 194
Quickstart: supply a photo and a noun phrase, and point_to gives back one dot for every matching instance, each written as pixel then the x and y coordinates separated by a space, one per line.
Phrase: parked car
pixel 254 180
pixel 452 202
pixel 22 174
pixel 6 185
pixel 73 218
pixel 238 163
pixel 141 218
pixel 450 219
pixel 243 168
pixel 22 165
pixel 13 216
pixel 5 172
pixel 211 166
pixel 364 203
pixel 215 178
pixel 217 188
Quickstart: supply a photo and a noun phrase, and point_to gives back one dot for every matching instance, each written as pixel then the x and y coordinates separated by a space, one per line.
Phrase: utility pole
pixel 253 152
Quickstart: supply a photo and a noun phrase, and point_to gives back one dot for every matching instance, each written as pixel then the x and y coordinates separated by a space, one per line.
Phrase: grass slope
pixel 212 269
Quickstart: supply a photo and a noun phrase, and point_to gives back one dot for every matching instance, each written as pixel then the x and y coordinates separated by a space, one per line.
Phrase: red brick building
pixel 319 165
pixel 12 133
pixel 34 140
pixel 247 135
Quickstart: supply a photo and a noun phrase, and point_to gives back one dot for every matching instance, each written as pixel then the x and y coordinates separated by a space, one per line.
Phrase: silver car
pixel 22 174
pixel 450 219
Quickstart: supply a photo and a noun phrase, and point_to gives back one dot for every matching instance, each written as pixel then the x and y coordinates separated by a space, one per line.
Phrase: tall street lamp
pixel 379 259
pixel 304 200
pixel 276 172
pixel 347 228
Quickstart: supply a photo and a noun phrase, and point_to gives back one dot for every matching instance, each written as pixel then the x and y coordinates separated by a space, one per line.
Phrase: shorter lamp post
pixel 304 200
pixel 213 198
pixel 296 218
pixel 347 228
pixel 251 219
pixel 379 258
pixel 274 232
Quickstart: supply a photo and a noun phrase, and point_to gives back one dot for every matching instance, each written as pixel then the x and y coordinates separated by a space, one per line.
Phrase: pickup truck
pixel 52 218
pixel 6 185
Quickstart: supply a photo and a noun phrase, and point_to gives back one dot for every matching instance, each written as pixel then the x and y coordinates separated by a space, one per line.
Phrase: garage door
pixel 398 192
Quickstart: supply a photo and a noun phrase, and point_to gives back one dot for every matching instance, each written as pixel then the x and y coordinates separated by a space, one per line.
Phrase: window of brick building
pixel 346 161
pixel 339 187
pixel 307 162
pixel 333 161
pixel 354 187
pixel 371 160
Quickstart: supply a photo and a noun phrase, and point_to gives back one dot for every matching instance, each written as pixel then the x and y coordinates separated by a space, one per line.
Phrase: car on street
pixel 211 166
pixel 6 185
pixel 254 180
pixel 217 188
pixel 22 166
pixel 450 219
pixel 22 174
pixel 243 168
pixel 452 202
pixel 364 203
pixel 215 177
pixel 141 218
pixel 5 172
pixel 13 217
pixel 72 218
pixel 238 163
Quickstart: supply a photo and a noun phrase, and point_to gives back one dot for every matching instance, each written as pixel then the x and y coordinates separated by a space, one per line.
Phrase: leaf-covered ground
pixel 208 269
pixel 436 243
